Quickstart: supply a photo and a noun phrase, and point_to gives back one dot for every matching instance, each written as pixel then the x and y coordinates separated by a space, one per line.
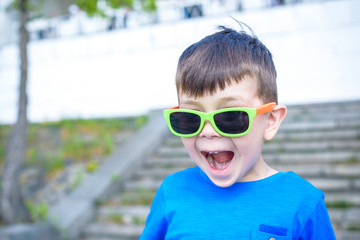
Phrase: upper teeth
pixel 213 152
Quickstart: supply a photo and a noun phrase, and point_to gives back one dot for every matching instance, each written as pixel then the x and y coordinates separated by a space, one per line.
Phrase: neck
pixel 258 171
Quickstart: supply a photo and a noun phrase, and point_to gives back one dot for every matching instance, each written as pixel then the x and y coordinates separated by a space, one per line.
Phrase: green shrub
pixel 54 162
pixel 78 180
pixel 37 212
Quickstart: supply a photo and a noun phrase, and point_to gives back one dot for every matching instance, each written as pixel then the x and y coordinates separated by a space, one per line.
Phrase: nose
pixel 208 131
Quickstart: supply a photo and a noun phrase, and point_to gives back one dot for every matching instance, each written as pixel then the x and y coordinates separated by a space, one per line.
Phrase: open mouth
pixel 218 160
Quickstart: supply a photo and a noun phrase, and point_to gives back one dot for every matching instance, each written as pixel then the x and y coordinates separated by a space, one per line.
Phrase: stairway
pixel 320 142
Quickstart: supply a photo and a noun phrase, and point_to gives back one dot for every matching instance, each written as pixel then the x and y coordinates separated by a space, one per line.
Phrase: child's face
pixel 228 160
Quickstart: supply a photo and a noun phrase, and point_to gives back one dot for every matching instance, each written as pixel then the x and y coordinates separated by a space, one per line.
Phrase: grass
pixel 78 179
pixel 139 197
pixel 341 204
pixel 53 162
pixel 138 220
pixel 120 219
pixel 351 160
pixel 355 228
pixel 53 145
pixel 116 218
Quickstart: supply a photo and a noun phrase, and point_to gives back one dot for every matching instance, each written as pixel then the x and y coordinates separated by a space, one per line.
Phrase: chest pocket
pixel 258 235
pixel 267 232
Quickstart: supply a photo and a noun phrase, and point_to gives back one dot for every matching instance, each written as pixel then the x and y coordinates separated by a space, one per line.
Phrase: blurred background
pixel 95 150
pixel 124 64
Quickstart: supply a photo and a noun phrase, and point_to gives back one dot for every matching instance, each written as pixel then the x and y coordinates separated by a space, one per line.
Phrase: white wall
pixel 315 47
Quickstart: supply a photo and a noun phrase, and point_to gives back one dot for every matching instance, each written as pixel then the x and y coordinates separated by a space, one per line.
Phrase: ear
pixel 273 122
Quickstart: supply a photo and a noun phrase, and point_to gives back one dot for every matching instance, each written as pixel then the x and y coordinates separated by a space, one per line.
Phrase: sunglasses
pixel 228 122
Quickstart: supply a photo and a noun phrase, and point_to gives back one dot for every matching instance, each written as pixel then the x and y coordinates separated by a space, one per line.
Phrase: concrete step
pixel 304 170
pixel 346 223
pixel 298 116
pixel 317 108
pixel 340 111
pixel 178 157
pixel 345 217
pixel 112 231
pixel 131 197
pixel 335 200
pixel 140 210
pixel 145 184
pixel 325 184
pixel 347 235
pixel 342 134
pixel 336 185
pixel 311 146
pixel 128 215
pixel 156 173
pixel 105 238
pixel 322 109
pixel 322 170
pixel 335 157
pixel 168 162
pixel 102 238
pixel 319 126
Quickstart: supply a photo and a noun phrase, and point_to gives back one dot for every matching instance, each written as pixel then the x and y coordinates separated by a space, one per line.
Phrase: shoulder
pixel 312 216
pixel 303 194
pixel 300 184
pixel 298 191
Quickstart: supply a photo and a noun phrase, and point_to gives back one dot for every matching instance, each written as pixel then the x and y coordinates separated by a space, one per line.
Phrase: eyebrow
pixel 192 102
pixel 221 101
pixel 228 99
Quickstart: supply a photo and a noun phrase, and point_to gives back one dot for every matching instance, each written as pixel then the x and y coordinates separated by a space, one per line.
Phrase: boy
pixel 227 97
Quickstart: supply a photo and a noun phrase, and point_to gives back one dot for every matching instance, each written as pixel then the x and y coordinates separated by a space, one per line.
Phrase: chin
pixel 222 182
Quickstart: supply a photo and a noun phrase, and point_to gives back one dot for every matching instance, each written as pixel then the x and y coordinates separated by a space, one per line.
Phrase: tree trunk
pixel 12 207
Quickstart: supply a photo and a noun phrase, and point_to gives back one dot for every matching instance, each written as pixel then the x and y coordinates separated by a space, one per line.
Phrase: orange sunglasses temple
pixel 265 108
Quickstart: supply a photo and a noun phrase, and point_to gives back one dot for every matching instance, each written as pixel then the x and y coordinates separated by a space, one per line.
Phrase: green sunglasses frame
pixel 252 112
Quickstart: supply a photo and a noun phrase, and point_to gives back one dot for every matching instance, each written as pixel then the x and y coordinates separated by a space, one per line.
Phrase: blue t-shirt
pixel 283 206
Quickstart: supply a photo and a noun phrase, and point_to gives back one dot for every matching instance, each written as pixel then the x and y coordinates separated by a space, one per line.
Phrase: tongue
pixel 222 157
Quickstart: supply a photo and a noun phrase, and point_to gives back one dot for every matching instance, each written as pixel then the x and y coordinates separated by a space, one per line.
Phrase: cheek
pixel 251 143
pixel 248 152
pixel 189 144
pixel 258 128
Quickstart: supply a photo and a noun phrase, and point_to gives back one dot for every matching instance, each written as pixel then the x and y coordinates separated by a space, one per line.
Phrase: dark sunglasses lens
pixel 185 123
pixel 232 122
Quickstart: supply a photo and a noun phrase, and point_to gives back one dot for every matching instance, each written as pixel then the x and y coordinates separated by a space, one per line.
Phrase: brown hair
pixel 223 57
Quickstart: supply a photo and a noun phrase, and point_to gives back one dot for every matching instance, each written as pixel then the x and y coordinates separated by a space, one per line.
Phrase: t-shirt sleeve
pixel 156 224
pixel 318 225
